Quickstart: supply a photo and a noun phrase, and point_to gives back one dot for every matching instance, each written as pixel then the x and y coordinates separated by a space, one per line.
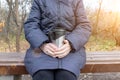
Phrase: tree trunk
pixel 116 30
pixel 6 30
pixel 95 29
pixel 117 36
pixel 18 40
pixel 16 18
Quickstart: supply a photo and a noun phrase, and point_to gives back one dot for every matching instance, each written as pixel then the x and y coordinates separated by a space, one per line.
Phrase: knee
pixel 65 75
pixel 43 75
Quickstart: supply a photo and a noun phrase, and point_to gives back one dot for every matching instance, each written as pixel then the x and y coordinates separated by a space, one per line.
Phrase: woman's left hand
pixel 63 50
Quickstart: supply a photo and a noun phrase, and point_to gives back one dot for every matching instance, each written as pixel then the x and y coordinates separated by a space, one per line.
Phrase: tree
pixel 95 29
pixel 116 29
pixel 18 12
pixel 2 24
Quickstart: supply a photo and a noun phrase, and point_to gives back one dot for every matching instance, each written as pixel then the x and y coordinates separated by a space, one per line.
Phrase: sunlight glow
pixel 110 5
pixel 113 5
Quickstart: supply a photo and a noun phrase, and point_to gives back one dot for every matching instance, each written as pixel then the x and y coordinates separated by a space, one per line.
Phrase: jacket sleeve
pixel 80 35
pixel 33 34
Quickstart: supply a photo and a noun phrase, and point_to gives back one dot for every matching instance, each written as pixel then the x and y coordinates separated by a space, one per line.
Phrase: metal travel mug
pixel 58 36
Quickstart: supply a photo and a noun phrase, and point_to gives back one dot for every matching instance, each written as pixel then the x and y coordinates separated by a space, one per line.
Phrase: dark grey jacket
pixel 46 15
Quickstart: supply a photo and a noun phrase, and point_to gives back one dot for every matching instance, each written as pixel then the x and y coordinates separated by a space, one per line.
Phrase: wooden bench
pixel 97 62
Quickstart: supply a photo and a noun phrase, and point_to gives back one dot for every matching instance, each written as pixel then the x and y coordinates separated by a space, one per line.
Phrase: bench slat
pixel 12 63
pixel 12 70
pixel 101 68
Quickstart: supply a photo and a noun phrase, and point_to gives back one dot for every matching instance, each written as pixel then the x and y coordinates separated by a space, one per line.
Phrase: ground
pixel 88 76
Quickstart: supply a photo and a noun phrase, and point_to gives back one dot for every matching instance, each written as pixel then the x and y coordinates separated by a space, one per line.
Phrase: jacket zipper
pixel 59 16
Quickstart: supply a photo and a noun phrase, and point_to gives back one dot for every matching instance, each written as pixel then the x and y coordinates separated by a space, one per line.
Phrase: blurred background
pixel 104 16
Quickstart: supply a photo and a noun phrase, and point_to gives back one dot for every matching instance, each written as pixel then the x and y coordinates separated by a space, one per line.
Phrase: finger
pixel 51 49
pixel 61 51
pixel 63 48
pixel 66 41
pixel 53 46
pixel 50 53
pixel 63 55
pixel 60 55
pixel 49 46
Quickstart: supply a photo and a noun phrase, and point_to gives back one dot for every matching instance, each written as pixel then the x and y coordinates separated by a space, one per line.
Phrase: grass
pixel 100 44
pixel 94 44
pixel 4 47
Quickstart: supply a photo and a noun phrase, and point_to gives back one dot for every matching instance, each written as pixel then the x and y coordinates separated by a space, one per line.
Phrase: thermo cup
pixel 57 36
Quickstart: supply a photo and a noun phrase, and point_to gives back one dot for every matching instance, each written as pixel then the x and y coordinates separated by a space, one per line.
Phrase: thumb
pixel 65 41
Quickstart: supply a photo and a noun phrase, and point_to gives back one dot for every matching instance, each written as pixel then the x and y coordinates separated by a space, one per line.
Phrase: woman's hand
pixel 49 49
pixel 63 50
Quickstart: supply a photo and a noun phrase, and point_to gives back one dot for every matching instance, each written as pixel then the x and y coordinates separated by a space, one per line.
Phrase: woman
pixel 44 60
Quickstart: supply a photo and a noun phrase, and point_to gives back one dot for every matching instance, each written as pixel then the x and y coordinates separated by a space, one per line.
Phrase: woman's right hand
pixel 49 49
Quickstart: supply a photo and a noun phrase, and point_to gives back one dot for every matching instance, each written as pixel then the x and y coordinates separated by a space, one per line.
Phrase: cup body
pixel 57 36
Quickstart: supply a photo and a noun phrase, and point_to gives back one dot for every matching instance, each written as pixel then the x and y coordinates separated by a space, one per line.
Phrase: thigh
pixel 64 75
pixel 44 75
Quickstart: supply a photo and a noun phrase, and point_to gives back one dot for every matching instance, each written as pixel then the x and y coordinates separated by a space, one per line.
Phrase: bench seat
pixel 97 62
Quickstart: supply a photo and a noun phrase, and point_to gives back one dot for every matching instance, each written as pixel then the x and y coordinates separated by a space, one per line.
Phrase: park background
pixel 104 16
